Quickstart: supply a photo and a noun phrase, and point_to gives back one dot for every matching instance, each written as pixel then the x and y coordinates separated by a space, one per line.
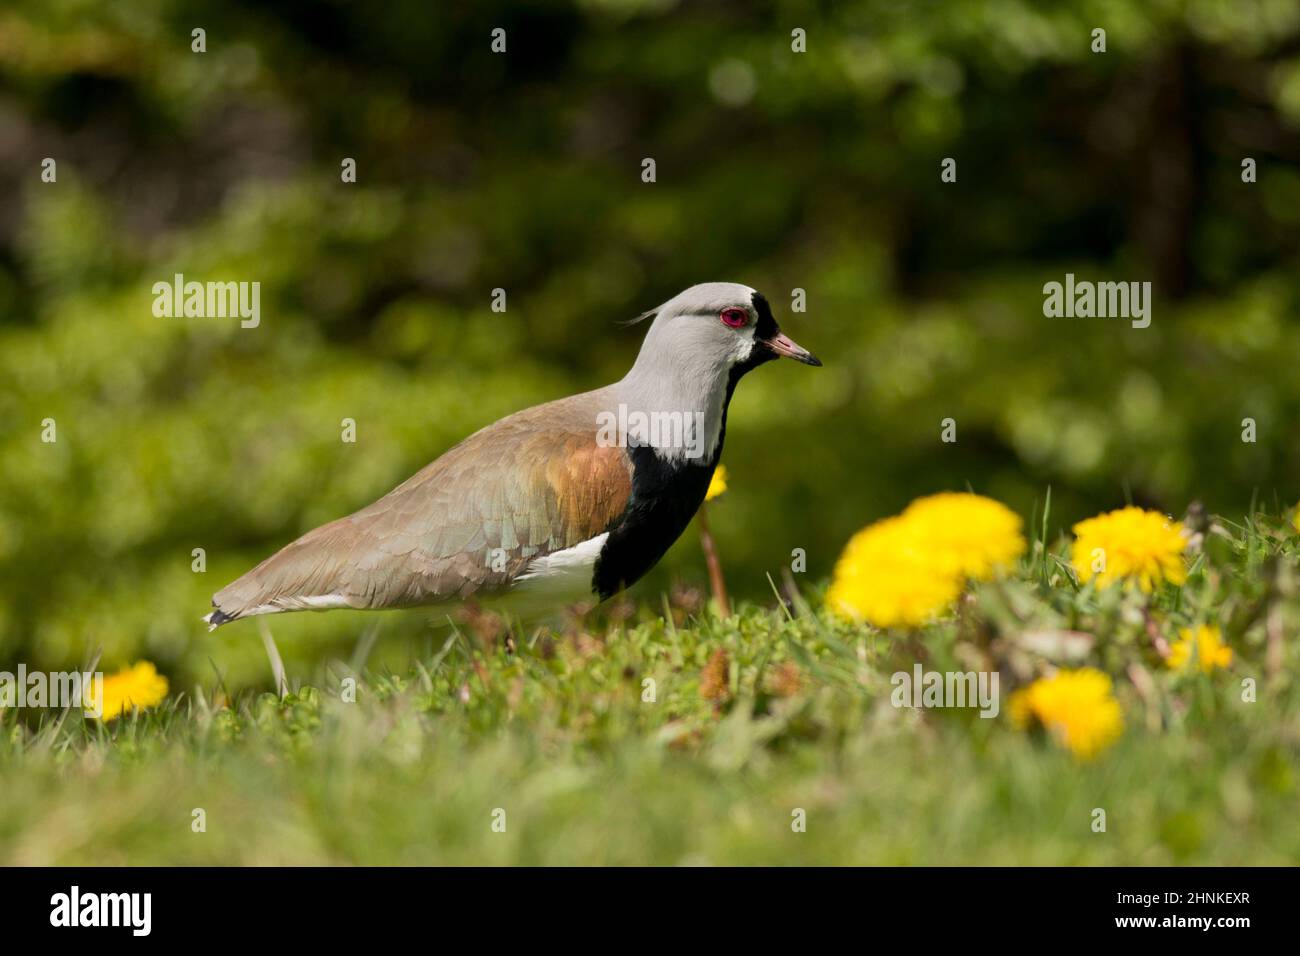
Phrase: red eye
pixel 734 318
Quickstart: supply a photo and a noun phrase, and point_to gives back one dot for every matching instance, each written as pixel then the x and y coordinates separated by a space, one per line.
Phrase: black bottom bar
pixel 339 905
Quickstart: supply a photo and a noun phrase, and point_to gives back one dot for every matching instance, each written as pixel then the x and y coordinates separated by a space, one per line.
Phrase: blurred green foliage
pixel 817 171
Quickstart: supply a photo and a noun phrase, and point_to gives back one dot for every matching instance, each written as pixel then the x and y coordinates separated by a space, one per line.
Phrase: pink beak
pixel 782 344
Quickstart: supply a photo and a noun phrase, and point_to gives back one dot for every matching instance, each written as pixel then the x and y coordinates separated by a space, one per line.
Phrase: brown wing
pixel 530 485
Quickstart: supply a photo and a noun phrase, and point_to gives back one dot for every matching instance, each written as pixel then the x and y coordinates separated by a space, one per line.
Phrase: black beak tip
pixel 812 360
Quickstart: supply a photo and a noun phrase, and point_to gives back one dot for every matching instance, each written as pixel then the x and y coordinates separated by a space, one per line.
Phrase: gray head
pixel 717 326
pixel 700 343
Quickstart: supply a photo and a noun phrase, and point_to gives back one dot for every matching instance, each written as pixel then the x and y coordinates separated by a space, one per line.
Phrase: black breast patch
pixel 665 496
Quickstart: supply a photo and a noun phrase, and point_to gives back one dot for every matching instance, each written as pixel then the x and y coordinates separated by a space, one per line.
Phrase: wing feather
pixel 532 484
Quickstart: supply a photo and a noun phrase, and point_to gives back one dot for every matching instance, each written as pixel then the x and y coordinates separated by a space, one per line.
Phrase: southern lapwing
pixel 558 504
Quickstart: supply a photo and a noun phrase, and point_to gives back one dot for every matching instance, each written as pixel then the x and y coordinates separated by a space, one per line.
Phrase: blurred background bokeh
pixel 817 171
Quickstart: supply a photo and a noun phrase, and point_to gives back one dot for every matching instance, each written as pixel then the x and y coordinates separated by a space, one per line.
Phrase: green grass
pixel 555 732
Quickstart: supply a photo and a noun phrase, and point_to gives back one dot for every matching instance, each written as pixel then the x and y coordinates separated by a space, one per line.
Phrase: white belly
pixel 551 583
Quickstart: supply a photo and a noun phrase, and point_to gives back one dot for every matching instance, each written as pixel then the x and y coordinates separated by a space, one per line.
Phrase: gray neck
pixel 683 398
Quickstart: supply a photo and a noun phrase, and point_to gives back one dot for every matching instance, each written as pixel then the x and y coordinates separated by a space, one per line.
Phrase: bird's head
pixel 699 345
pixel 720 328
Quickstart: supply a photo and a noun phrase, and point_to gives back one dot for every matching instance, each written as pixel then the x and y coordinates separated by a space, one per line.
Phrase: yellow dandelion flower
pixel 1295 518
pixel 1075 706
pixel 717 484
pixel 1130 545
pixel 885 577
pixel 966 535
pixel 139 687
pixel 1203 647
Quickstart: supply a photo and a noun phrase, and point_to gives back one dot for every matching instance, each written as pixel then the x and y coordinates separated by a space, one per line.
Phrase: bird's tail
pixel 217 618
pixel 303 575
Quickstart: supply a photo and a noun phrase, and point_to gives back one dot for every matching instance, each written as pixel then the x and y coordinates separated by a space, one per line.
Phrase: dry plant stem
pixel 1273 628
pixel 1146 689
pixel 1153 632
pixel 716 581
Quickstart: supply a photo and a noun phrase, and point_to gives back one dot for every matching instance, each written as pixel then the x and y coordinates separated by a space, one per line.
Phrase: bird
pixel 560 504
